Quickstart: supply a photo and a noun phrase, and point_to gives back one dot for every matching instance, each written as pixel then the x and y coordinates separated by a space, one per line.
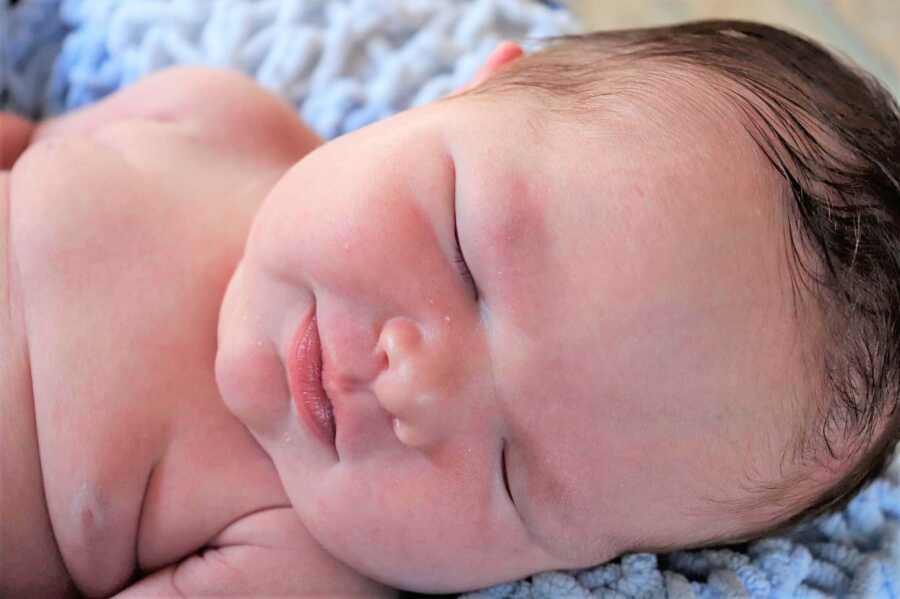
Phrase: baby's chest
pixel 124 262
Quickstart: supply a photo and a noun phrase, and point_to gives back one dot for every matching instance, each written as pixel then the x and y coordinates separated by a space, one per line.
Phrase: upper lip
pixel 334 387
pixel 352 411
pixel 332 384
pixel 359 421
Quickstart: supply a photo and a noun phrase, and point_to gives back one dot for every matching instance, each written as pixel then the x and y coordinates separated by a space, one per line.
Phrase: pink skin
pixel 628 344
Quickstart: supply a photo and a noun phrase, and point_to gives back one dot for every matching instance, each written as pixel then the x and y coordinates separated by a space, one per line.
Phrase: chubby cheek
pixel 349 228
pixel 252 389
pixel 409 524
pixel 247 373
pixel 256 313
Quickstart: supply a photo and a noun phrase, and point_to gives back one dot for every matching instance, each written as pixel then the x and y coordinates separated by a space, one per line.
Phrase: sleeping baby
pixel 637 291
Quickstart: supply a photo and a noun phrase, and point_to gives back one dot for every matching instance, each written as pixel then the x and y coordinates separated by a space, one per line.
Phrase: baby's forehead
pixel 634 184
pixel 677 148
pixel 661 102
pixel 660 270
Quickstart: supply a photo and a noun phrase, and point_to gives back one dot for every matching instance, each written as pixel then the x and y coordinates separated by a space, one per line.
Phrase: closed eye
pixel 460 261
pixel 505 475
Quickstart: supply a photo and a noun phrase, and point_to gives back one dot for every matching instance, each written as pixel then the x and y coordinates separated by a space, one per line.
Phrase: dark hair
pixel 832 133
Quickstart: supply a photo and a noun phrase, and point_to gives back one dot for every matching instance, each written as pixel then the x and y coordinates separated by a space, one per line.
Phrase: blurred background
pixel 346 63
pixel 867 31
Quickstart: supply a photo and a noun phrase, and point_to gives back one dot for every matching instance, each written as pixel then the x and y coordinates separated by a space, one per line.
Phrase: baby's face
pixel 629 347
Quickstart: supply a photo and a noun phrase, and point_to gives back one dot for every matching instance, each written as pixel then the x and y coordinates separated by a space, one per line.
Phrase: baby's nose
pixel 419 382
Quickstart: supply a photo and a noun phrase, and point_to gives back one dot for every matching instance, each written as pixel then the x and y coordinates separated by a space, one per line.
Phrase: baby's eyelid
pixel 459 259
pixel 504 471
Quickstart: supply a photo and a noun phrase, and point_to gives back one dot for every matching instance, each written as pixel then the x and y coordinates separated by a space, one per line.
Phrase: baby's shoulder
pixel 123 262
pixel 112 196
pixel 216 107
pixel 87 208
pixel 62 190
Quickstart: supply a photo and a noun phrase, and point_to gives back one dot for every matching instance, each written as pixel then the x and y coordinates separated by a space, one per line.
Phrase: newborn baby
pixel 636 291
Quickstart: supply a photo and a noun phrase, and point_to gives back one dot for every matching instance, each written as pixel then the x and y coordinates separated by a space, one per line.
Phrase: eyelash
pixel 460 261
pixel 503 470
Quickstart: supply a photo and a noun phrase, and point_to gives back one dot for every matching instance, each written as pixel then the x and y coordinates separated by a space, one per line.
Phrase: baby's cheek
pixel 248 372
pixel 251 385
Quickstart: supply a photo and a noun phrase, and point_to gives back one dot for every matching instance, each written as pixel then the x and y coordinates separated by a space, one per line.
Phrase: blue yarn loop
pixel 346 63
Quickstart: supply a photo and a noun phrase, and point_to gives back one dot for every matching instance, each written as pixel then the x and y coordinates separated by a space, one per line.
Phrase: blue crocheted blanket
pixel 346 63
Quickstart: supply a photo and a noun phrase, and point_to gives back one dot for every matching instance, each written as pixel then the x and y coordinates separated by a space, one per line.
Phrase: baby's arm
pixel 267 554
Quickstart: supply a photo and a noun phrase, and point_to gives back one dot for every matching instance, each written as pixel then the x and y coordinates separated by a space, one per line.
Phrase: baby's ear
pixel 506 52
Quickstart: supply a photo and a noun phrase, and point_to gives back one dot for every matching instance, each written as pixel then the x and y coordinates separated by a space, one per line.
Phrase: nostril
pixel 399 377
pixel 400 337
pixel 381 360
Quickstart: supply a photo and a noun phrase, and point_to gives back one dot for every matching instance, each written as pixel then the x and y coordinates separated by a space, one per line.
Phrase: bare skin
pixel 122 224
pixel 617 363
pixel 626 339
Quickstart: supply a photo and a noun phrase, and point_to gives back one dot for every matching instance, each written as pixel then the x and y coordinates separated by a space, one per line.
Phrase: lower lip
pixel 305 381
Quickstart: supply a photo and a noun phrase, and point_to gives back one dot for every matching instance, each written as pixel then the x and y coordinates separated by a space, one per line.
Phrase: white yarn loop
pixel 343 63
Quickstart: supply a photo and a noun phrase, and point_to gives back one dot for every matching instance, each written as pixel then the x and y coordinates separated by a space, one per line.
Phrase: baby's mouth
pixel 305 381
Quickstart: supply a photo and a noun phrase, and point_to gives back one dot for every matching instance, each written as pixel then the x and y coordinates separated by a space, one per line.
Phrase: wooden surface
pixel 868 31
